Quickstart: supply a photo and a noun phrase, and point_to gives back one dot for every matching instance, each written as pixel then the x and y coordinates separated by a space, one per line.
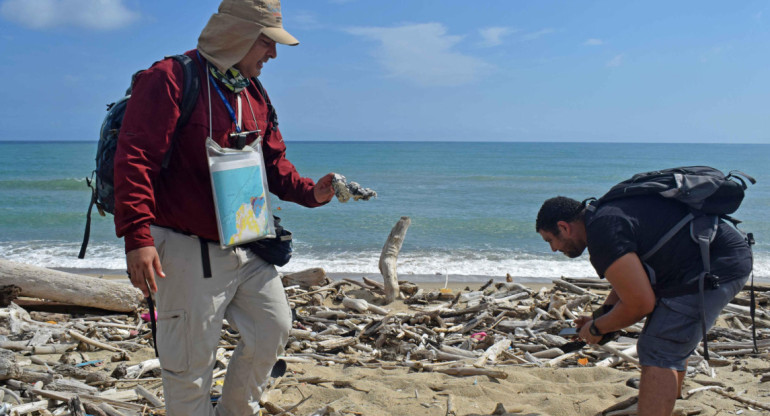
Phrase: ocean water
pixel 472 205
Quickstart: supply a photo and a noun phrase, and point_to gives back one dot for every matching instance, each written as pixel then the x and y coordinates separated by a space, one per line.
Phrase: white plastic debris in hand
pixel 344 190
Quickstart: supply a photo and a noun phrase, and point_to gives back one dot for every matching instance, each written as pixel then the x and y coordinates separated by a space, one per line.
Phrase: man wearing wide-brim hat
pixel 166 211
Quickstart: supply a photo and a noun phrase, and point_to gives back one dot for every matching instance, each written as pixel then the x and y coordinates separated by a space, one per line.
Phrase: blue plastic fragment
pixel 85 363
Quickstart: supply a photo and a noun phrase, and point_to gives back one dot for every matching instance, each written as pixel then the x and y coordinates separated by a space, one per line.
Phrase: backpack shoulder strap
pixel 190 90
pixel 261 89
pixel 703 230
pixel 668 236
pixel 87 232
pixel 272 116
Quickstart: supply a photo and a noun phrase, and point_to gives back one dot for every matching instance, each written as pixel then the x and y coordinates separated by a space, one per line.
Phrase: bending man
pixel 616 235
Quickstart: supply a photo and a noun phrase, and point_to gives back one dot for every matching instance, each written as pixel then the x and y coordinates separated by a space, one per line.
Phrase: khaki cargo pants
pixel 246 291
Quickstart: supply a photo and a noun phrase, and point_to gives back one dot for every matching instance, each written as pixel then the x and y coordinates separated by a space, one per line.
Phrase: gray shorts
pixel 673 329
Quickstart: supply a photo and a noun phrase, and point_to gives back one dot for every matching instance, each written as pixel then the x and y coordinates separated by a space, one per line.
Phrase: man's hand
pixel 583 323
pixel 580 321
pixel 585 333
pixel 143 263
pixel 323 190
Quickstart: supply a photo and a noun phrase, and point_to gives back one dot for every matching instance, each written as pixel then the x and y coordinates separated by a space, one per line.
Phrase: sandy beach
pixel 527 390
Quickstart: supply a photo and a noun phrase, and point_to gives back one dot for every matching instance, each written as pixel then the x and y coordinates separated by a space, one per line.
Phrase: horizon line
pixel 16 141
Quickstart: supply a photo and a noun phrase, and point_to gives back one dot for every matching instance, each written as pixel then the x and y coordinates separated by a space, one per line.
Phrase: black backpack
pixel 702 188
pixel 707 192
pixel 101 181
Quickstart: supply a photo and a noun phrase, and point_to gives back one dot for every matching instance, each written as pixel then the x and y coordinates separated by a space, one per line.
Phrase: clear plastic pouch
pixel 241 200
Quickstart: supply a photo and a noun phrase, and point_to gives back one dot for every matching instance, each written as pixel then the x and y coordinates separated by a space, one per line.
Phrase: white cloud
pixel 493 36
pixel 538 34
pixel 423 54
pixel 617 60
pixel 91 14
pixel 303 20
pixel 593 42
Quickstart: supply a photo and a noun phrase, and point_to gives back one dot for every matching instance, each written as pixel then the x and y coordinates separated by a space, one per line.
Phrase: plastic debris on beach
pixel 345 190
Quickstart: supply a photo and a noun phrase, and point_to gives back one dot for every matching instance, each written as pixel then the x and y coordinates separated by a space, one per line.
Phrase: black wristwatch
pixel 594 330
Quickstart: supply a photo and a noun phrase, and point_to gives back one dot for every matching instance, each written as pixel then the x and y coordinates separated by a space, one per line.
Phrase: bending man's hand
pixel 581 320
pixel 143 264
pixel 323 190
pixel 585 333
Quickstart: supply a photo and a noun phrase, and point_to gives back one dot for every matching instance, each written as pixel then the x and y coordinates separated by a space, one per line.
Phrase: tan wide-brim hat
pixel 232 31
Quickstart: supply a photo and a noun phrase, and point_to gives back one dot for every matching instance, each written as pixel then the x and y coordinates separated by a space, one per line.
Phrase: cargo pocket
pixel 173 341
pixel 674 321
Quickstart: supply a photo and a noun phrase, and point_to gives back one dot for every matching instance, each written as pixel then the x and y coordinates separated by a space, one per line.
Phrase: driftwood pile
pixel 49 364
pixel 474 332
pixel 56 363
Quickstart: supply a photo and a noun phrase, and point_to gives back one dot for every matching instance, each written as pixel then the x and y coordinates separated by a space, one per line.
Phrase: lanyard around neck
pixel 227 104
pixel 239 136
pixel 222 96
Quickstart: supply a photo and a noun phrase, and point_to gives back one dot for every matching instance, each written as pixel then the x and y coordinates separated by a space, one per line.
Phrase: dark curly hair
pixel 558 209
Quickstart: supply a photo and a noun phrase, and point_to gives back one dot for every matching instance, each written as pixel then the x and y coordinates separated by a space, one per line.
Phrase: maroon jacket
pixel 180 196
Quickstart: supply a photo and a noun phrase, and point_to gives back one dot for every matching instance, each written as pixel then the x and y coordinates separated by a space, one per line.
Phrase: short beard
pixel 573 254
pixel 573 251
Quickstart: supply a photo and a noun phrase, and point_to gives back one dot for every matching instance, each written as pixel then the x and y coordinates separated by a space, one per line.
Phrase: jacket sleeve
pixel 282 177
pixel 145 137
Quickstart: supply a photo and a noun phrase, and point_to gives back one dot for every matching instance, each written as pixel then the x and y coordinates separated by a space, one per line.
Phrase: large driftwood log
pixel 389 258
pixel 39 282
pixel 306 278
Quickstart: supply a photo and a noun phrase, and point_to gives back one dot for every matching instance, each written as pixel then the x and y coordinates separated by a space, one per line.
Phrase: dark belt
pixel 204 244
pixel 205 260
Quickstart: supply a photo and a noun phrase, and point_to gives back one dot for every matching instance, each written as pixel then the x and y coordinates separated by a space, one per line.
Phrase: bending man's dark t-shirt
pixel 636 224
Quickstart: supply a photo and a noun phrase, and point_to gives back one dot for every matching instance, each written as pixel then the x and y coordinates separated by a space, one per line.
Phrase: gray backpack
pixel 101 181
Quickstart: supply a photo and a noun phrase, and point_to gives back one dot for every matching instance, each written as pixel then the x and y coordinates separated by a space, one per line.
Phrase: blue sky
pixel 652 71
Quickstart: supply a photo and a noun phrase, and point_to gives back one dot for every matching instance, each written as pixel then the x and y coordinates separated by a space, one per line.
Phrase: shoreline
pixel 429 280
pixel 432 281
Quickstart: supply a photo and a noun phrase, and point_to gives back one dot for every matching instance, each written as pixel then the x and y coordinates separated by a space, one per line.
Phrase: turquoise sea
pixel 472 205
